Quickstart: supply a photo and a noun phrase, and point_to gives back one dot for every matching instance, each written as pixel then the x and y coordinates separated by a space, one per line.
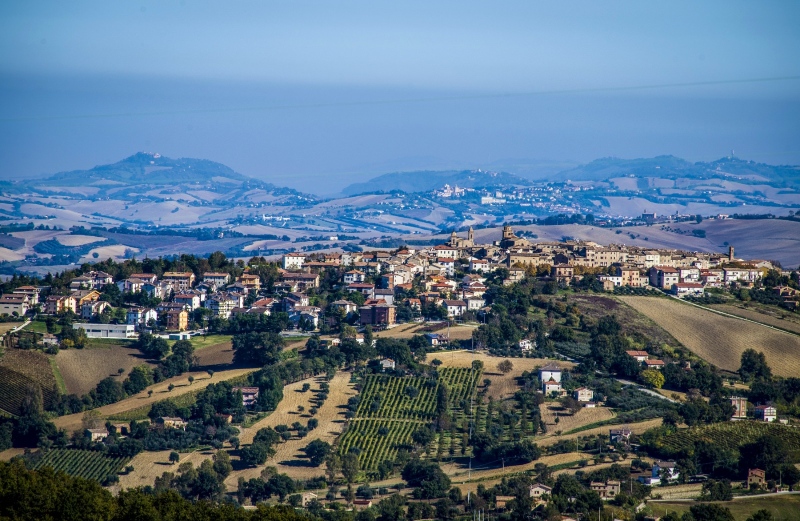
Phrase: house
pixel 145 277
pixel 479 265
pixel 687 289
pixel 222 304
pixel 302 281
pixel 526 345
pixel 654 364
pixel 443 251
pixel 385 294
pixel 215 279
pixel 56 304
pixel 250 281
pixel 562 272
pixel 640 356
pixel 107 330
pixel 447 264
pixel 177 320
pixel 378 314
pixel 455 308
pixel 83 296
pixel 295 299
pixel 435 339
pixel 619 435
pixel 551 386
pixel 474 303
pixel 353 276
pixel 666 470
pixel 93 308
pixel 249 395
pixel 756 478
pixel 766 413
pixel 607 490
pixel 179 281
pixel 664 277
pixel 387 364
pixel 169 422
pixel 538 490
pixel 361 504
pixel 582 394
pixel 550 371
pixel 16 305
pixel 368 290
pixel 30 291
pixel 344 305
pixel 293 261
pixel 190 301
pixel 96 434
pixel 739 408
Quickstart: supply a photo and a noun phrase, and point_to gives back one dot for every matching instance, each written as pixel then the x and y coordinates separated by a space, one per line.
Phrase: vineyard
pixel 391 409
pixel 87 464
pixel 14 386
pixel 730 435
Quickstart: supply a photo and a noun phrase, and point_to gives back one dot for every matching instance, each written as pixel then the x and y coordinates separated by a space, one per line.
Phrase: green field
pixel 388 414
pixel 14 386
pixel 87 464
pixel 784 507
pixel 199 342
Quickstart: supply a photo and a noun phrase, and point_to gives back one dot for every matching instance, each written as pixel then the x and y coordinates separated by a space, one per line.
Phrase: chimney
pixel 730 253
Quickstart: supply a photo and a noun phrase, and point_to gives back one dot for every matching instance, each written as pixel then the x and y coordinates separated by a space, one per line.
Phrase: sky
pixel 317 95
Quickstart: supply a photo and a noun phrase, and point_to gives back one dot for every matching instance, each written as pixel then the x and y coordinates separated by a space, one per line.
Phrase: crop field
pixel 87 464
pixel 766 315
pixel 718 339
pixel 732 435
pixel 388 413
pixel 14 387
pixel 149 465
pixel 82 369
pixel 566 422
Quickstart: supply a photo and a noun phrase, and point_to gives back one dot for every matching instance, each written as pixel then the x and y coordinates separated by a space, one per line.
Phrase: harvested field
pixel 791 323
pixel 783 506
pixel 288 457
pixel 161 391
pixel 8 326
pixel 458 473
pixel 687 491
pixel 147 466
pixel 637 428
pixel 82 369
pixel 78 240
pixel 718 339
pixel 550 411
pixel 457 332
pixel 21 369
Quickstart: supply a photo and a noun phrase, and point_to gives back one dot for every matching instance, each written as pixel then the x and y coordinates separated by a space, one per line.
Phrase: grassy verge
pixel 62 387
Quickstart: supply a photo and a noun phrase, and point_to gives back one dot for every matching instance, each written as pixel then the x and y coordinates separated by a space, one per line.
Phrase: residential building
pixel 189 301
pixel 666 470
pixel 619 435
pixel 93 308
pixel 654 364
pixel 30 291
pixel 250 281
pixel 215 279
pixel 756 478
pixel 640 356
pixel 83 296
pixel 582 394
pixel 141 316
pixel 562 272
pixel 171 422
pixel 293 261
pixel 386 295
pixel 17 305
pixel 368 290
pixel 177 320
pixel 455 308
pixel 353 276
pixel 388 364
pixel 96 434
pixel 687 289
pixel 380 314
pixel 479 265
pixel 607 490
pixel 664 277
pixel 526 345
pixel 56 304
pixel 179 281
pixel 739 408
pixel 550 371
pixel 551 386
pixel 538 490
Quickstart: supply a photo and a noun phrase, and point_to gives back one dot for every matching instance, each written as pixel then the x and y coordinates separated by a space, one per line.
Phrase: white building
pixel 293 261
pixel 107 330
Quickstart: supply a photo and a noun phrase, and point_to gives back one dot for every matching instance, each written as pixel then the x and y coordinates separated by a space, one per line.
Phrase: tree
pixel 191 379
pixel 317 451
pixel 505 367
pixel 350 467
pixel 754 366
pixel 711 512
pixel 174 457
pixel 761 515
pixel 653 378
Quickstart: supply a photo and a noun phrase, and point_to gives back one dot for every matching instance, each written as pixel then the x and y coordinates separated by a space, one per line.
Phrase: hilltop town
pixel 368 369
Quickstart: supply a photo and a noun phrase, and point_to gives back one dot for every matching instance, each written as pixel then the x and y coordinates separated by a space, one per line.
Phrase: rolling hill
pixel 426 180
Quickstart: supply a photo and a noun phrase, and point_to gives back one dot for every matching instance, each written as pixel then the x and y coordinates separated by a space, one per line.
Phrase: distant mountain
pixel 671 167
pixel 424 181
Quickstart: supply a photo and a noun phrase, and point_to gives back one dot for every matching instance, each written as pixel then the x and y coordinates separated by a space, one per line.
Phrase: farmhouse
pixel 619 435
pixel 525 345
pixel 582 394
pixel 766 413
pixel 387 364
pixel 640 356
pixel 538 490
pixel 666 470
pixel 96 434
pixel 249 395
pixel 550 371
pixel 607 490
pixel 739 408
pixel 551 386
pixel 654 364
pixel 169 422
pixel 756 478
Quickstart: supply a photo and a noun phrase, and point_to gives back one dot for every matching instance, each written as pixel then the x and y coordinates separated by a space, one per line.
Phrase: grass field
pixel 718 339
pixel 783 507
pixel 147 466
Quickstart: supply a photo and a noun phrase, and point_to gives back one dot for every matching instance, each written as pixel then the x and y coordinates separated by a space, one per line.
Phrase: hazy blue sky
pixel 316 94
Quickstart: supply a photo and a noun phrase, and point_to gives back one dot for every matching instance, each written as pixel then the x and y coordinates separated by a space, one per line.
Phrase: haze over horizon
pixel 316 96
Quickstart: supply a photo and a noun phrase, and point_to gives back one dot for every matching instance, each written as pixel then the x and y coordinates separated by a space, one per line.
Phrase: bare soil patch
pixel 718 339
pixel 82 369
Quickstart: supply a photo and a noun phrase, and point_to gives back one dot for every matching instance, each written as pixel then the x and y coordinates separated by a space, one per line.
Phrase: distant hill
pixel 423 181
pixel 152 169
pixel 671 167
